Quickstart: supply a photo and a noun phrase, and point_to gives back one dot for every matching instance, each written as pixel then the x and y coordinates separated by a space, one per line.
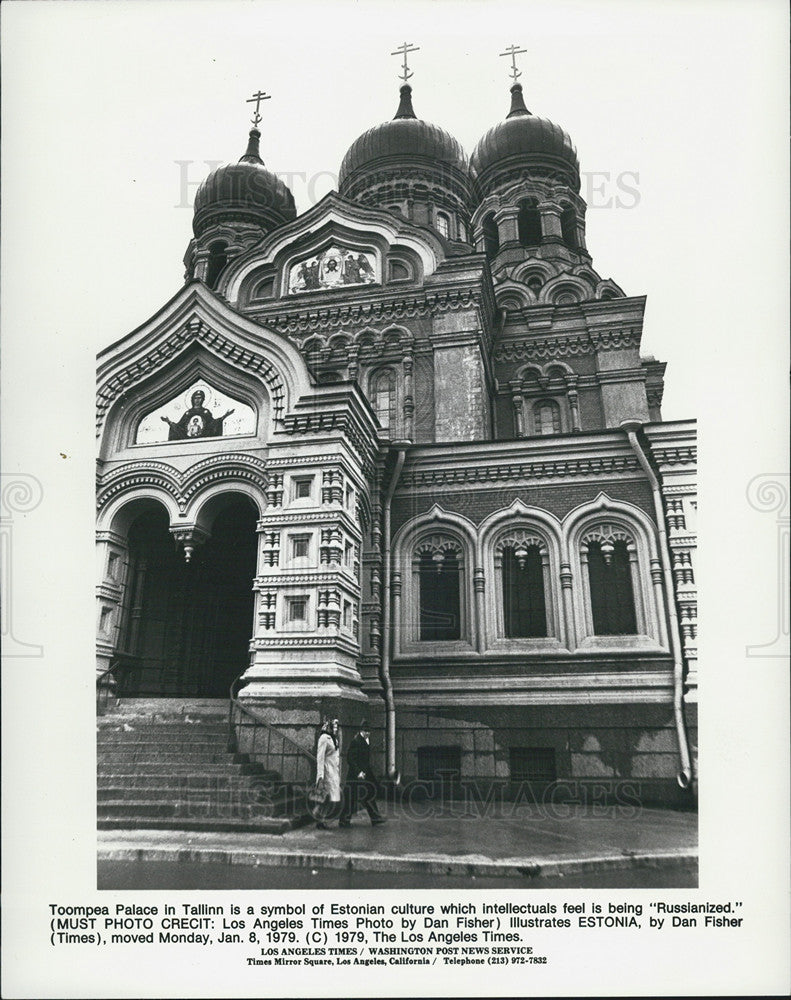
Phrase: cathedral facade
pixel 400 457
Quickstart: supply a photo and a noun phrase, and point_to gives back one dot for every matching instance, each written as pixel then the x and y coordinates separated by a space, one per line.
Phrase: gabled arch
pixel 195 363
pixel 196 318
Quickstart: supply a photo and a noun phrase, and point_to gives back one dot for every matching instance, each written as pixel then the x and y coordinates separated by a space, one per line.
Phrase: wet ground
pixel 205 875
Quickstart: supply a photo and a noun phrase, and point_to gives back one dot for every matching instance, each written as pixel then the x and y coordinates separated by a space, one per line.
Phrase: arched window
pixel 462 231
pixel 524 603
pixel 442 223
pixel 611 590
pixel 398 271
pixel 218 258
pixel 439 566
pixel 384 399
pixel 546 417
pixel 529 223
pixel 568 227
pixel 491 236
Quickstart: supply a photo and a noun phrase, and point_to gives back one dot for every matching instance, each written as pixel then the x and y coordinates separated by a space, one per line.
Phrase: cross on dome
pixel 256 99
pixel 404 50
pixel 513 51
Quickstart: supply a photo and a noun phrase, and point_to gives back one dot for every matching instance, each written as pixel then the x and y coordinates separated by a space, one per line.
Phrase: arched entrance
pixel 186 626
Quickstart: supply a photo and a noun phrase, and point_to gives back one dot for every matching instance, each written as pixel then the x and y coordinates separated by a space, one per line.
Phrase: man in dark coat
pixel 360 788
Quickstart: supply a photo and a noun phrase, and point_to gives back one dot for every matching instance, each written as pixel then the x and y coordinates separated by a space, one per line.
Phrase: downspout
pixel 684 776
pixel 384 664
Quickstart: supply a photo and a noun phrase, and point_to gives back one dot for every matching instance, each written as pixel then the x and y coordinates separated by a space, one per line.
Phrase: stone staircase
pixel 165 764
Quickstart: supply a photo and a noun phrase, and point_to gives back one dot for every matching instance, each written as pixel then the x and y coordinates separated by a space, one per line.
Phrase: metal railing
pixel 265 745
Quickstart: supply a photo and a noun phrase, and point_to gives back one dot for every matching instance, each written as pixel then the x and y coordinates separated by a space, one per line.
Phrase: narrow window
pixel 463 231
pixel 547 417
pixel 533 764
pixel 384 400
pixel 491 236
pixel 303 487
pixel 612 595
pixel 439 765
pixel 568 227
pixel 348 555
pixel 300 546
pixel 347 615
pixel 529 223
pixel 440 609
pixel 218 258
pixel 297 609
pixel 443 224
pixel 399 271
pixel 524 603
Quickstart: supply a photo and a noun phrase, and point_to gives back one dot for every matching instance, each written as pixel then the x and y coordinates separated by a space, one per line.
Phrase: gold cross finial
pixel 404 49
pixel 256 99
pixel 513 51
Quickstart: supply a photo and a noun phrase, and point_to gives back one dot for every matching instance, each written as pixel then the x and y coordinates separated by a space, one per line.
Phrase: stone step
pixel 165 746
pixel 130 769
pixel 155 732
pixel 264 824
pixel 156 756
pixel 243 787
pixel 192 809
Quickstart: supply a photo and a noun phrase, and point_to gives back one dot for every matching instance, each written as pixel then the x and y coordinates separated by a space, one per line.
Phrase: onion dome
pixel 524 144
pixel 394 159
pixel 244 192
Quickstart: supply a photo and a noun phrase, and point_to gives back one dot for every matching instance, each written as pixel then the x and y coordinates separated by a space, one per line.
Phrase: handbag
pixel 318 793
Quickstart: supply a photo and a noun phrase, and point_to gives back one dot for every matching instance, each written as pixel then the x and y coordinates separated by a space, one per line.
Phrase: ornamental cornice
pixel 274 517
pixel 323 422
pixel 687 455
pixel 306 640
pixel 193 330
pixel 519 473
pixel 182 486
pixel 321 577
pixel 572 345
pixel 294 324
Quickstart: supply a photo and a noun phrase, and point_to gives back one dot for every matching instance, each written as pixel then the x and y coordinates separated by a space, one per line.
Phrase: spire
pixel 252 155
pixel 517 102
pixel 405 109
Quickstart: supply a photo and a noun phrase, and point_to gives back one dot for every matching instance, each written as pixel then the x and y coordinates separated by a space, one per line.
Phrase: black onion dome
pixel 524 141
pixel 393 143
pixel 243 192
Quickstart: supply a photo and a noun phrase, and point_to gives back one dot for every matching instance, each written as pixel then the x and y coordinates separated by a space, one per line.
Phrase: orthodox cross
pixel 513 51
pixel 256 99
pixel 404 50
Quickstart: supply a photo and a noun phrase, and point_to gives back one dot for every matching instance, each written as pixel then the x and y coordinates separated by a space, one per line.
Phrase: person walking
pixel 360 789
pixel 328 772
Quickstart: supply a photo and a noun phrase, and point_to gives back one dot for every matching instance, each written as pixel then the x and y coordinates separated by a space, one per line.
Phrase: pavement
pixel 436 839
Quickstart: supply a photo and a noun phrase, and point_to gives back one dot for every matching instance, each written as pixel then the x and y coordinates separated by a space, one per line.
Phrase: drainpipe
pixel 384 665
pixel 684 776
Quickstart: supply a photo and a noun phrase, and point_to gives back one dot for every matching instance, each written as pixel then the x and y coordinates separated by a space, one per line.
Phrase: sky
pixel 124 105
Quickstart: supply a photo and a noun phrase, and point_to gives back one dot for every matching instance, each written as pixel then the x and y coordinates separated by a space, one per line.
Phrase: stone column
pixel 479 587
pixel 567 610
pixel 409 401
pixel 519 413
pixel 659 599
pixel 573 398
pixel 507 226
pixel 550 221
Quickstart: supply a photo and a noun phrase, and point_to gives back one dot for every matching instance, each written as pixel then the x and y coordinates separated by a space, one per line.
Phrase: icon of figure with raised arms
pixel 197 421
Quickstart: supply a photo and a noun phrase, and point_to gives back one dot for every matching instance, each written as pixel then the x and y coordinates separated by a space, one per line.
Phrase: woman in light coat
pixel 328 770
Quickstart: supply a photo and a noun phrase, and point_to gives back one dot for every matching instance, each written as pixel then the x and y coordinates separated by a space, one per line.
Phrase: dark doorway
pixel 187 626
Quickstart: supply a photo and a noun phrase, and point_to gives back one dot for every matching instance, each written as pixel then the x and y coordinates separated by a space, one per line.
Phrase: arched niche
pixel 168 392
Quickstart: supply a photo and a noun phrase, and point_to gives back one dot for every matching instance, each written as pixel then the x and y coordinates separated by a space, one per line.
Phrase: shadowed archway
pixel 186 626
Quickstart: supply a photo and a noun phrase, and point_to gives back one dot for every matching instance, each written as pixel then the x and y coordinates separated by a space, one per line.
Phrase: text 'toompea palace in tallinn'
pixel 400 458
